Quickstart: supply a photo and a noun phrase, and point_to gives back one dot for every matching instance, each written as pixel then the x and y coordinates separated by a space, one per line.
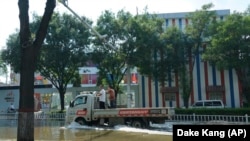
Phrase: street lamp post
pixel 128 86
pixel 102 37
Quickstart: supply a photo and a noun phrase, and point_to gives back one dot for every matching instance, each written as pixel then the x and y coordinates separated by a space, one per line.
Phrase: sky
pixel 92 9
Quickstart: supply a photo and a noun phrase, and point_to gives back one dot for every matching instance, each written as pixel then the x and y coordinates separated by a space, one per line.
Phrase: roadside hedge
pixel 213 111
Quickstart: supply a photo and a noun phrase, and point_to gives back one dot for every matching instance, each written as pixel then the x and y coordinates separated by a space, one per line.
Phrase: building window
pixel 89 78
pixel 186 22
pixel 216 96
pixel 170 97
pixel 221 18
pixel 173 22
pixel 167 24
pixel 180 24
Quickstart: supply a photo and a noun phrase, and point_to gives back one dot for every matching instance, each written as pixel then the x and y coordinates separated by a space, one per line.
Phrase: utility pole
pixel 129 95
pixel 102 37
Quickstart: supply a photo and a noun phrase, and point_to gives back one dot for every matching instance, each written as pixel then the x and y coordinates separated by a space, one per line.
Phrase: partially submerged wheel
pixel 81 121
pixel 138 123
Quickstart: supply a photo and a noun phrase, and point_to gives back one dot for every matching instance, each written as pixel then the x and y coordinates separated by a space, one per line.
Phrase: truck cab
pixel 79 109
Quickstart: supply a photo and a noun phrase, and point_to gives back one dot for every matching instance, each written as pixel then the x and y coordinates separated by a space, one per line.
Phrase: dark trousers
pixel 102 105
pixel 112 104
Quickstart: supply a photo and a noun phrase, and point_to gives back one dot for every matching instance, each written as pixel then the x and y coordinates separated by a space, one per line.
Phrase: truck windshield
pixel 80 100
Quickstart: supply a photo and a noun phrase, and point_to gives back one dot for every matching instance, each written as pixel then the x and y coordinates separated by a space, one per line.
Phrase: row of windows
pixel 212 95
pixel 180 22
pixel 92 79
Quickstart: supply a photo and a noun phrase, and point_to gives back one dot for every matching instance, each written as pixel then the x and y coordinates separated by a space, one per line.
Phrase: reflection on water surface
pixel 56 131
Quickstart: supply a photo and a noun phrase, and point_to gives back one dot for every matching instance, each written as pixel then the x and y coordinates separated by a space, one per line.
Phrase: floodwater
pixel 56 131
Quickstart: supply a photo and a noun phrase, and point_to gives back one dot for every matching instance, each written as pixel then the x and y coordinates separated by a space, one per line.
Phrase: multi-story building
pixel 208 82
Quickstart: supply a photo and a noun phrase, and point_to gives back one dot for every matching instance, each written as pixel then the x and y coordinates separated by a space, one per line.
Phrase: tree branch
pixel 42 31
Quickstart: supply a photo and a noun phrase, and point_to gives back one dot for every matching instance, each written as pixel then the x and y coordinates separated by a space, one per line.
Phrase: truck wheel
pixel 138 124
pixel 81 121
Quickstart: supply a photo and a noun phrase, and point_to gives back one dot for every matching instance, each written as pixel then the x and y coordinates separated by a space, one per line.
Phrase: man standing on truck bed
pixel 102 97
pixel 111 93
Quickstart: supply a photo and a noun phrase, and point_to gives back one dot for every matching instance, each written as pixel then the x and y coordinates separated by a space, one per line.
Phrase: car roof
pixel 206 100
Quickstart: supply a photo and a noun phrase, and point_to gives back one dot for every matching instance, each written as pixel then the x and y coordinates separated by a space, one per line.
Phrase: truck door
pixel 80 107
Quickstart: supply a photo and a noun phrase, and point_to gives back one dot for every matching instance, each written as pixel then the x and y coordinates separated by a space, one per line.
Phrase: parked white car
pixel 208 104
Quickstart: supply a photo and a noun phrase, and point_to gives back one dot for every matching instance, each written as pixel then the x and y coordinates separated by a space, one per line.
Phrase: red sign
pixel 134 112
pixel 81 112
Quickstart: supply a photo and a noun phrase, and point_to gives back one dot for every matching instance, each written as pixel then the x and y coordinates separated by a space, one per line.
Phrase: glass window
pixel 80 100
pixel 216 103
pixel 215 95
pixel 170 97
pixel 198 104
pixel 209 103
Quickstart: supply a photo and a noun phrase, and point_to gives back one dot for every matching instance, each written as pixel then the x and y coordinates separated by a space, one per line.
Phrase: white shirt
pixel 102 95
pixel 12 106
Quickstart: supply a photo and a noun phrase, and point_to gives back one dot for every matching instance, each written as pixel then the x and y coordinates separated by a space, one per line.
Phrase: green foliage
pixel 65 49
pixel 199 31
pixel 201 21
pixel 188 47
pixel 148 45
pixel 214 111
pixel 229 48
pixel 136 41
pixel 3 65
pixel 174 51
pixel 111 62
pixel 229 45
pixel 11 55
pixel 141 40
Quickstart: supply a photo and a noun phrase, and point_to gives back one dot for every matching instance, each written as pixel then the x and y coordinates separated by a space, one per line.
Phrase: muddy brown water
pixel 56 131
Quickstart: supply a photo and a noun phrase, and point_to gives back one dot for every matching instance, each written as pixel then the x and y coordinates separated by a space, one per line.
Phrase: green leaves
pixel 229 44
pixel 11 55
pixel 65 49
pixel 230 48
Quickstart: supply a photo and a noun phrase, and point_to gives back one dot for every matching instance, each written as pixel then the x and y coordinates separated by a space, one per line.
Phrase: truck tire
pixel 81 121
pixel 137 123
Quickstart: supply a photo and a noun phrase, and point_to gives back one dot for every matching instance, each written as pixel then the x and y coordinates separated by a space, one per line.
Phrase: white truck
pixel 84 109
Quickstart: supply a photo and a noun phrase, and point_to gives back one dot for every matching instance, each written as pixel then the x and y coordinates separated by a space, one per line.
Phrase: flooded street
pixel 56 131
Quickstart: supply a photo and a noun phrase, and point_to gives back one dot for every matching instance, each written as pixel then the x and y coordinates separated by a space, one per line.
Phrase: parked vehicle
pixel 208 104
pixel 9 110
pixel 84 109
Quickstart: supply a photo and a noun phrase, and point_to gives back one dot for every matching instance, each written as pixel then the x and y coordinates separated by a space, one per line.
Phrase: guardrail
pixel 193 118
pixel 58 116
pixel 37 115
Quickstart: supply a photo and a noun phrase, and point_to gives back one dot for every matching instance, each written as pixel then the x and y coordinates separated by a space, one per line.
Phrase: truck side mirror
pixel 71 103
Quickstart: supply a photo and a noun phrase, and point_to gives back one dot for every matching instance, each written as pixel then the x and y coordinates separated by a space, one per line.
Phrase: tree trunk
pixel 25 126
pixel 246 94
pixel 26 101
pixel 62 93
pixel 29 52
